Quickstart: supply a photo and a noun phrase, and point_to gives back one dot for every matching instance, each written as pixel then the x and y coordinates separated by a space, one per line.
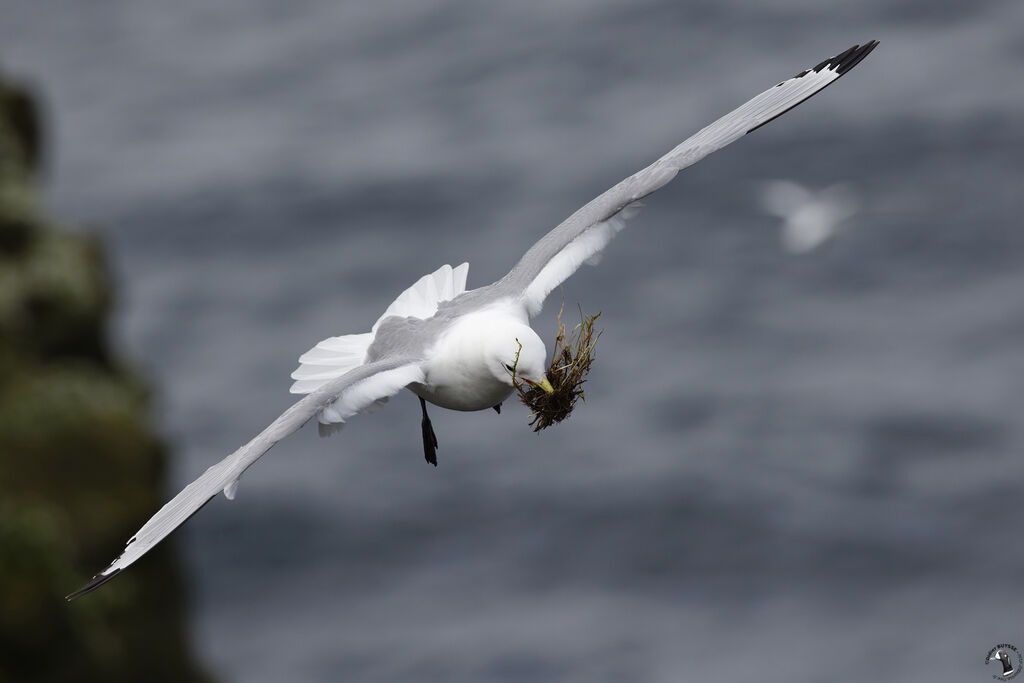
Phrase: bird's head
pixel 520 353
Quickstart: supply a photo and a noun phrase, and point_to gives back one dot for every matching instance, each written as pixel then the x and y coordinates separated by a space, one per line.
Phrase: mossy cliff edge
pixel 80 464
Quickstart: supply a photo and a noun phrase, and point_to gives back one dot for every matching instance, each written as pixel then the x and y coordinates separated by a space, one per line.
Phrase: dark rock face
pixel 80 465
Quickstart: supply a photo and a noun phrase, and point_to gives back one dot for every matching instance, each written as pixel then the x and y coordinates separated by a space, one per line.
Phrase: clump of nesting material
pixel 570 362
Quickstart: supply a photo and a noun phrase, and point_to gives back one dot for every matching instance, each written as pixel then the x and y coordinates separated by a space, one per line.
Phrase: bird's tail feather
pixel 423 297
pixel 335 356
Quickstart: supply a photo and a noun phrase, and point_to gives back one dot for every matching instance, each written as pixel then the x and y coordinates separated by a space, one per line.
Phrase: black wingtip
pixel 844 61
pixel 96 582
pixel 840 64
pixel 853 59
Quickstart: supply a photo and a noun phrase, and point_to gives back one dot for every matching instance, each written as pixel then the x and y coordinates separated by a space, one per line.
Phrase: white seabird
pixel 453 347
pixel 809 218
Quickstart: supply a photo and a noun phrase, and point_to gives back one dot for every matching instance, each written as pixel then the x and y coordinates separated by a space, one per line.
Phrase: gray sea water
pixel 788 468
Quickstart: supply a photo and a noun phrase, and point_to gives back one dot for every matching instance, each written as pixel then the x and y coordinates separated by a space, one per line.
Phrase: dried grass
pixel 570 362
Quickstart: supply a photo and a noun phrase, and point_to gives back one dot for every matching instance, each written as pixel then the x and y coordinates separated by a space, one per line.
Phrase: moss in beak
pixel 552 399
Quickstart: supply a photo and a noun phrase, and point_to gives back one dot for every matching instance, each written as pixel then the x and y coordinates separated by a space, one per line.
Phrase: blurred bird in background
pixel 809 217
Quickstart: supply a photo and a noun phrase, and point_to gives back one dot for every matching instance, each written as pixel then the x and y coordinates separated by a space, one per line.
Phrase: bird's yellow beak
pixel 546 386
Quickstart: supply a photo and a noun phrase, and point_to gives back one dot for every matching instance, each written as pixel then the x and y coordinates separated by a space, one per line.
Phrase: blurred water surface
pixel 787 469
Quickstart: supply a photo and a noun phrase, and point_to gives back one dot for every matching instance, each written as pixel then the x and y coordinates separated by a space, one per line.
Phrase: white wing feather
pixel 584 249
pixel 344 397
pixel 584 234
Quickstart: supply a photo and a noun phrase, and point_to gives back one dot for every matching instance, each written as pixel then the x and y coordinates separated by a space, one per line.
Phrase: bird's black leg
pixel 497 409
pixel 429 438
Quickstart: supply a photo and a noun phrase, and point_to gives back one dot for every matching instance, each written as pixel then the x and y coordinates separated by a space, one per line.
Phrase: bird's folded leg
pixel 429 438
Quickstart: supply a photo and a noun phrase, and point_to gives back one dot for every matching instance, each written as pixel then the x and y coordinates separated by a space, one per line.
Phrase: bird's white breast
pixel 460 373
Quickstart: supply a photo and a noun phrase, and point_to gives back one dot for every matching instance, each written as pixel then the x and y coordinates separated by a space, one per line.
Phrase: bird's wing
pixel 585 233
pixel 782 198
pixel 346 396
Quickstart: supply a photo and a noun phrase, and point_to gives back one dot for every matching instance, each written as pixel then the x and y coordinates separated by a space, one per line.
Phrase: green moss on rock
pixel 80 464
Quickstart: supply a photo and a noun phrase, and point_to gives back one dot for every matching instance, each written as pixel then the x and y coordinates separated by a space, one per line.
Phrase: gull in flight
pixel 454 347
pixel 809 218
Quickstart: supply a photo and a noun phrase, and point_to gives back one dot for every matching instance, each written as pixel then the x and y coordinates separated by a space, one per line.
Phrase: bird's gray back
pixel 407 337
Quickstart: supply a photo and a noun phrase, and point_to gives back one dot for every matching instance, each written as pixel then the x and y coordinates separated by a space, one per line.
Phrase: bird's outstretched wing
pixel 585 233
pixel 344 396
